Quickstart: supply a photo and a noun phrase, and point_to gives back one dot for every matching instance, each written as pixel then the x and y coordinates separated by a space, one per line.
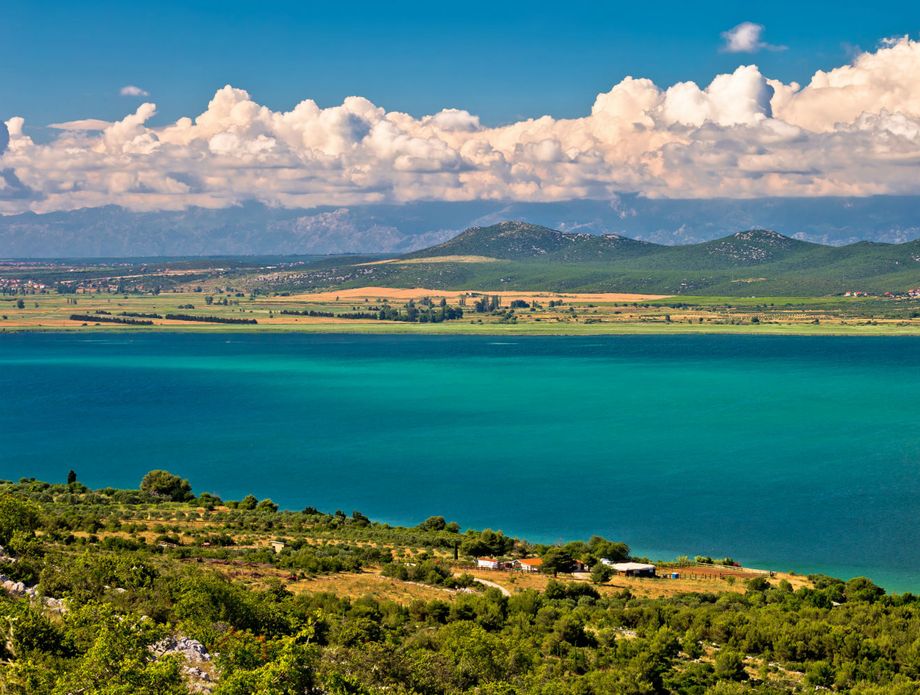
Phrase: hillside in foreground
pixel 155 590
pixel 522 256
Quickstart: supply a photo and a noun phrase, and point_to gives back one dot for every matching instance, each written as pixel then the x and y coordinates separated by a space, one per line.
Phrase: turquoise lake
pixel 791 453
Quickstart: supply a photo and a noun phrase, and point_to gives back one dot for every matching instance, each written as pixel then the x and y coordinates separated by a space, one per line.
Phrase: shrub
pixel 164 484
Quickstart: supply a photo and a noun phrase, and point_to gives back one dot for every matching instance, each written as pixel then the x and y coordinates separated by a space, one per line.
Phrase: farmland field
pixel 542 313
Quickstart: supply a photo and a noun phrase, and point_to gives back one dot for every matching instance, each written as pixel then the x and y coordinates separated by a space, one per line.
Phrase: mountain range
pixel 253 228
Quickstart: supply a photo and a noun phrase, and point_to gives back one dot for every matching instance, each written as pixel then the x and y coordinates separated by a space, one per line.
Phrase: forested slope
pixel 158 591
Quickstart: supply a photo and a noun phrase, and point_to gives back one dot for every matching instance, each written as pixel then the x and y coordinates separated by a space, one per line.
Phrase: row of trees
pixel 423 312
pixel 140 314
pixel 308 312
pixel 97 318
pixel 209 319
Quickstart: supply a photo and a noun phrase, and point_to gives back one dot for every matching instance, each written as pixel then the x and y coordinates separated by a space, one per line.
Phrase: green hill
pixel 520 241
pixel 521 256
pixel 755 247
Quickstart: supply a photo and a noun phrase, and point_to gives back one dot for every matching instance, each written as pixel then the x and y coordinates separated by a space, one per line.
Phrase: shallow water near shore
pixel 793 453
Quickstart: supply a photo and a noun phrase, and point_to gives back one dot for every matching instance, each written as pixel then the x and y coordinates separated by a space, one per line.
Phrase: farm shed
pixel 631 569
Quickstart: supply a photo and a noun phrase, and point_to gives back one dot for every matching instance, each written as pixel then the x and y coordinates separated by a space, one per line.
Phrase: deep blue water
pixel 785 452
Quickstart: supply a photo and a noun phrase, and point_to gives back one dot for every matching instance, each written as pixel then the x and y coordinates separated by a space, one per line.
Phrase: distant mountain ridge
pixel 256 229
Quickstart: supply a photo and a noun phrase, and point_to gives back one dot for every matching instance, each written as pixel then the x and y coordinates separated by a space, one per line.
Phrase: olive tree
pixel 164 484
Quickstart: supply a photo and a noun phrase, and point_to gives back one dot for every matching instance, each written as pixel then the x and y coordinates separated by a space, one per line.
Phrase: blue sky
pixel 341 104
pixel 67 60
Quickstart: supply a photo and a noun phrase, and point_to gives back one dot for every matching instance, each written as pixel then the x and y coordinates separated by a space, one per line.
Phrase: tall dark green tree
pixel 557 560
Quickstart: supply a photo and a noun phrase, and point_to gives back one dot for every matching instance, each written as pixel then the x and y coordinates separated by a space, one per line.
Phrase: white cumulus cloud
pixel 132 90
pixel 853 131
pixel 747 37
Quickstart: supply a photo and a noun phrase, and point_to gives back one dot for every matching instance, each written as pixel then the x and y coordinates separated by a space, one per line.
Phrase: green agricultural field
pixel 574 315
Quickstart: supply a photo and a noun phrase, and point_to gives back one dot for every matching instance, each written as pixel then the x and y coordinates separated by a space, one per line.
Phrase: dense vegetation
pixel 424 311
pixel 140 314
pixel 109 319
pixel 515 256
pixel 520 256
pixel 209 319
pixel 110 599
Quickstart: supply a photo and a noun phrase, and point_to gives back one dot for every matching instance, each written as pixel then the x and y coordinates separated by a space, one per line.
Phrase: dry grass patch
pixel 355 585
pixel 434 259
pixel 729 580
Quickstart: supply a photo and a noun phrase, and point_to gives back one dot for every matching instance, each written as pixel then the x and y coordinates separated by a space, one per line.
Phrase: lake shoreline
pixel 782 451
pixel 491 329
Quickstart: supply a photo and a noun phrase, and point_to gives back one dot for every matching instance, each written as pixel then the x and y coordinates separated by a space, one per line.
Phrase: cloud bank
pixel 852 131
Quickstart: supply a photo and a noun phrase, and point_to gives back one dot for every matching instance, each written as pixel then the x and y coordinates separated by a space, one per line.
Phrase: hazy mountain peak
pixel 767 235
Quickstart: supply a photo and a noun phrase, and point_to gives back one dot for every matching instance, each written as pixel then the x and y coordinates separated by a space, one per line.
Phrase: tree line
pixel 94 318
pixel 209 319
pixel 423 312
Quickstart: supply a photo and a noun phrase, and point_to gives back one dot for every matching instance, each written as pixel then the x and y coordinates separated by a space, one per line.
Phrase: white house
pixel 488 563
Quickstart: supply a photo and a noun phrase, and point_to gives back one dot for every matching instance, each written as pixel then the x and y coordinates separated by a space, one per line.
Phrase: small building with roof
pixel 529 564
pixel 631 569
pixel 488 563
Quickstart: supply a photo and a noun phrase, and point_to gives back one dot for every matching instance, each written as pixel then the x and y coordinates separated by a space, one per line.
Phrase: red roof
pixel 532 561
pixel 486 559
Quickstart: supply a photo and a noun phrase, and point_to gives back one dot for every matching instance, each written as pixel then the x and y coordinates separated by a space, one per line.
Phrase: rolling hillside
pixel 754 247
pixel 521 256
pixel 519 241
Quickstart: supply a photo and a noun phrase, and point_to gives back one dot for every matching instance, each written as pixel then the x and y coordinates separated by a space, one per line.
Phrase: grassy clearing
pixel 719 581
